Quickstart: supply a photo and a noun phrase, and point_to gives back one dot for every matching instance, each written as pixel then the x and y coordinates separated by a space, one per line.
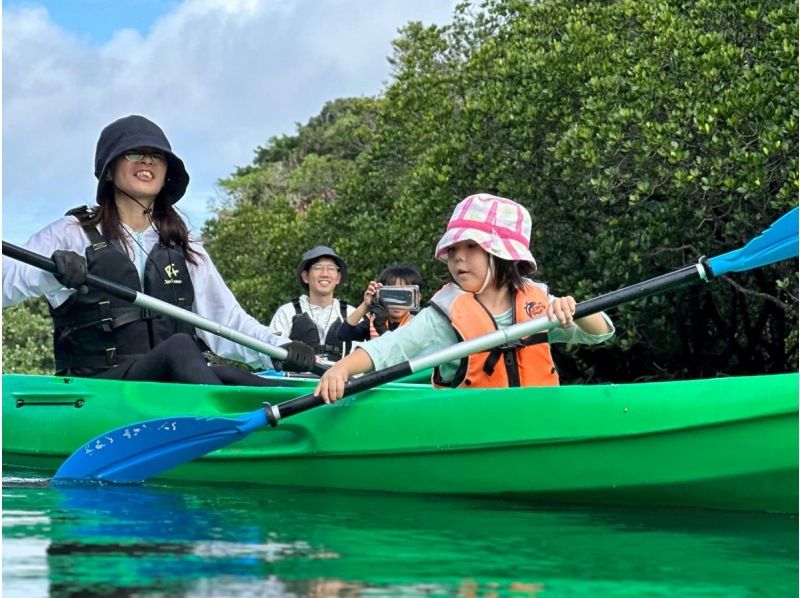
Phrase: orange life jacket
pixel 526 362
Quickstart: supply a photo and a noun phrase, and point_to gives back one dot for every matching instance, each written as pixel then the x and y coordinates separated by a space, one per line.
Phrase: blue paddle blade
pixel 133 453
pixel 778 242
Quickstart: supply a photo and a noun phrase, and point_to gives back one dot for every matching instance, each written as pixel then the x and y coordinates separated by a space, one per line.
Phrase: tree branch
pixel 764 296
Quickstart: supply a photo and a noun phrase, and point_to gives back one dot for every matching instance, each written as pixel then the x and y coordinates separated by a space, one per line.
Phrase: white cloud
pixel 219 76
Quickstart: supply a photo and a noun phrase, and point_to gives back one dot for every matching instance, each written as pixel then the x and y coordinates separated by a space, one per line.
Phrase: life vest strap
pixel 296 304
pixel 111 317
pixel 496 353
pixel 84 214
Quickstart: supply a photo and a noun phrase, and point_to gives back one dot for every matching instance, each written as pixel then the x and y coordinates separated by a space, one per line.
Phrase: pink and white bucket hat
pixel 500 226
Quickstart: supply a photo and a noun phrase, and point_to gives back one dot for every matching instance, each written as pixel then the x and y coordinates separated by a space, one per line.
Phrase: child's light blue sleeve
pixel 428 332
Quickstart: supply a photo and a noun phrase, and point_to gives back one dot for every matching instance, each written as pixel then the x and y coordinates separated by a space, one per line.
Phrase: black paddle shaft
pixel 665 282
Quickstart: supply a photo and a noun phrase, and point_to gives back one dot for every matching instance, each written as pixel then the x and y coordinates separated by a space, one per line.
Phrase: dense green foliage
pixel 640 134
pixel 28 339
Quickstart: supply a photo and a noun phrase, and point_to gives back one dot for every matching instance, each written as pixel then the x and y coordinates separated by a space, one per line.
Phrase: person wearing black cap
pixel 134 236
pixel 315 318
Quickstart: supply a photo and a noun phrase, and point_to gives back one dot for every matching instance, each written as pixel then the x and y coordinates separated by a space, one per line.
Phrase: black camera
pixel 399 297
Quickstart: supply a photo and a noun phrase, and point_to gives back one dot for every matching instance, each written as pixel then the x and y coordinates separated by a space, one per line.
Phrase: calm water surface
pixel 182 540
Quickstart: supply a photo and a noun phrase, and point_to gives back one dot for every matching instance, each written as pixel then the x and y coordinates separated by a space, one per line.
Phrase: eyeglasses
pixel 138 155
pixel 324 268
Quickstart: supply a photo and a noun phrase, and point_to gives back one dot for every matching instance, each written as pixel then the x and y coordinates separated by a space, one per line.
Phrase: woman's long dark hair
pixel 170 226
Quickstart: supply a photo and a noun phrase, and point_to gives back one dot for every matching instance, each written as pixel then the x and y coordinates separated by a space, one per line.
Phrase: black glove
pixel 301 357
pixel 71 269
pixel 378 309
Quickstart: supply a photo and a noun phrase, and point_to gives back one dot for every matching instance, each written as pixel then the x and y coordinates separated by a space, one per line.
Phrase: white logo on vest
pixel 172 273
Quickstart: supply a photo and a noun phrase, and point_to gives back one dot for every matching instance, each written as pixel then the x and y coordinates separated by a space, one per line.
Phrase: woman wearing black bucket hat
pixel 135 237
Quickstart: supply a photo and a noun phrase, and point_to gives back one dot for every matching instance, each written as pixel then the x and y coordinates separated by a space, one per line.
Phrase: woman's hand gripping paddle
pixel 133 453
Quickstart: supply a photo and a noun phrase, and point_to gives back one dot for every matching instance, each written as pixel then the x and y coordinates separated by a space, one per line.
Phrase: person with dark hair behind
pixel 134 236
pixel 373 317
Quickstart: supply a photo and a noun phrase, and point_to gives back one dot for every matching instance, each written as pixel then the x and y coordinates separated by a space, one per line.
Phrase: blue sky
pixel 97 20
pixel 219 76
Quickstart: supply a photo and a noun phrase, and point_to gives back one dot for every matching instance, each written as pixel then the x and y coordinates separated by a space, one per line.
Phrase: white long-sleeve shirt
pixel 212 297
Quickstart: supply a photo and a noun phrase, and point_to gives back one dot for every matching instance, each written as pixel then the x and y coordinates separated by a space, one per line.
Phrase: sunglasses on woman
pixel 138 155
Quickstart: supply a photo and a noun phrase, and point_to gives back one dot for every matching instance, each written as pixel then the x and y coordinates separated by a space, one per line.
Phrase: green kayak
pixel 729 443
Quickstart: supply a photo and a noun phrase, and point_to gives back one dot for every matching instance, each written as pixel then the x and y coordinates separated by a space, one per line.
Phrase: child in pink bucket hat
pixel 500 226
pixel 487 249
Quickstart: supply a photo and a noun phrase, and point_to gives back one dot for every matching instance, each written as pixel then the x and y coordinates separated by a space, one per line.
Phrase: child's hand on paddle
pixel 331 384
pixel 562 309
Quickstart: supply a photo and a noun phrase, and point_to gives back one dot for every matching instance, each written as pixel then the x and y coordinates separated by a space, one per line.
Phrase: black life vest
pixel 305 330
pixel 97 331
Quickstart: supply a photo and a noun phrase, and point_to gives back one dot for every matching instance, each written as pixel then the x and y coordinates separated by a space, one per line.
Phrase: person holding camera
pixel 374 317
pixel 135 237
pixel 314 318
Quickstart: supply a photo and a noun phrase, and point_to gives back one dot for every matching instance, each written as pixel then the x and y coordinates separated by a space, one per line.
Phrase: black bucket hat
pixel 314 254
pixel 133 132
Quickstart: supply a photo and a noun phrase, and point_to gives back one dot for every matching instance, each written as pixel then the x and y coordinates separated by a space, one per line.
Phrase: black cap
pixel 314 254
pixel 134 132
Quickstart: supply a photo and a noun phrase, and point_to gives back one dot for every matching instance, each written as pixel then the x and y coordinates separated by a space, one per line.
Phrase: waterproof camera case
pixel 400 297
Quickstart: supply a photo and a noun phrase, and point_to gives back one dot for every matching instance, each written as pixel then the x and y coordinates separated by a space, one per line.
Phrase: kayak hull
pixel 729 443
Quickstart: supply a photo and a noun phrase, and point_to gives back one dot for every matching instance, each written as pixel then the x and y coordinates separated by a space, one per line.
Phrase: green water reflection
pixel 227 541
